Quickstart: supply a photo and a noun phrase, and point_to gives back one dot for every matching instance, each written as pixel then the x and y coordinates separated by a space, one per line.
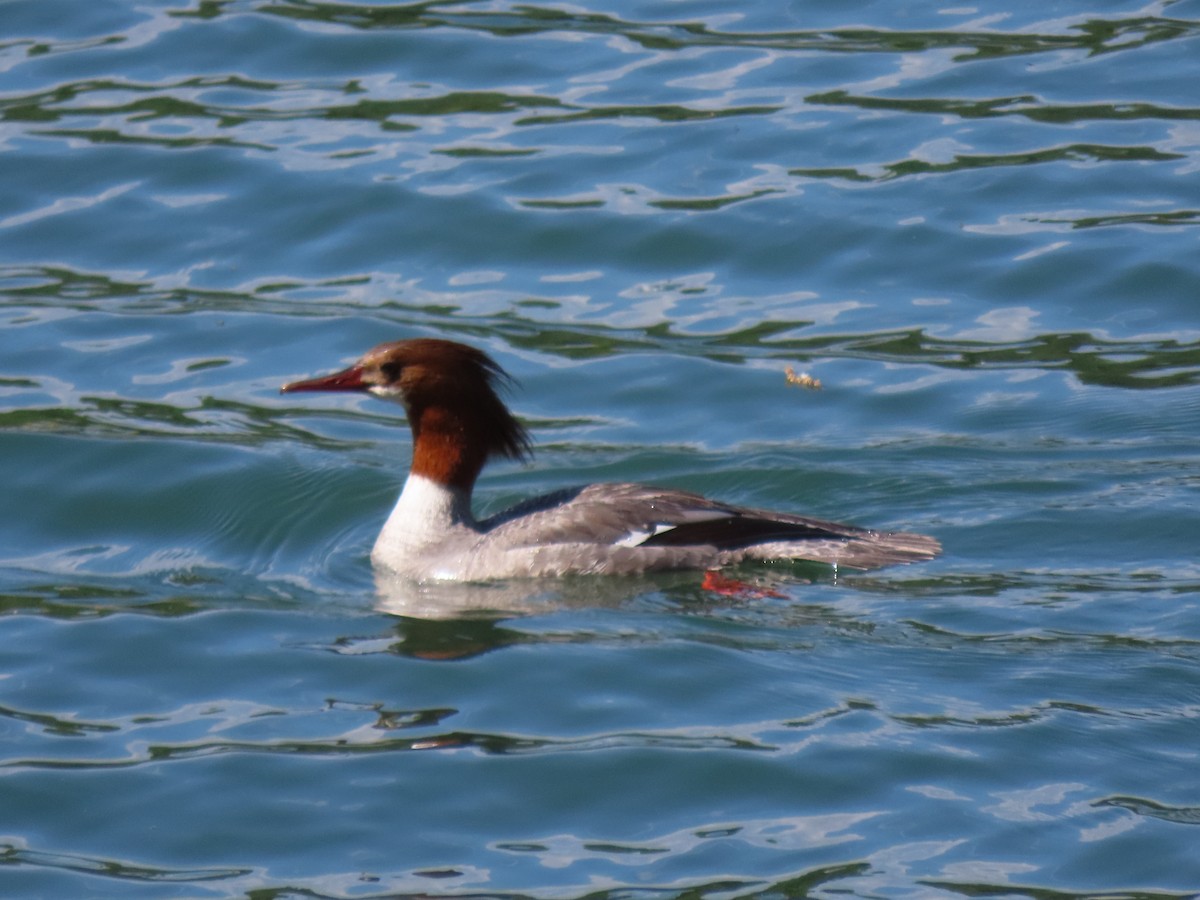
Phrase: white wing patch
pixel 639 537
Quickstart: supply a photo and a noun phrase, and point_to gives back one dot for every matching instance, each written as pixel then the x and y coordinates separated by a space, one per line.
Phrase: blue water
pixel 976 226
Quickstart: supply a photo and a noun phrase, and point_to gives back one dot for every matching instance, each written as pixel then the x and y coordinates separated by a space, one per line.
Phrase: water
pixel 975 226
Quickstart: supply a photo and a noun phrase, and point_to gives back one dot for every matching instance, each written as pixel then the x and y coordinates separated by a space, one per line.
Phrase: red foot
pixel 730 587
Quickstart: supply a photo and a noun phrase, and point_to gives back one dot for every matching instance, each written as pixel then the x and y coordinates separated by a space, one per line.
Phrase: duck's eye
pixel 391 370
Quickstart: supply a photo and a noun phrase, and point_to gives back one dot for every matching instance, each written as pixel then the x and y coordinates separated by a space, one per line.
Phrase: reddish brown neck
pixel 446 448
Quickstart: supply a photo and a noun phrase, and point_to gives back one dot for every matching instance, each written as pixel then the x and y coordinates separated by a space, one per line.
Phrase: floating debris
pixel 803 379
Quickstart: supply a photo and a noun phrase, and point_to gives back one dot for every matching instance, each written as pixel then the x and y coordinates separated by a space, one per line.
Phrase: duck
pixel 451 393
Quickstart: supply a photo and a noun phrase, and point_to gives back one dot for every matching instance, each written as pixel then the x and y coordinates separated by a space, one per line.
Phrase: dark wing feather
pixel 737 532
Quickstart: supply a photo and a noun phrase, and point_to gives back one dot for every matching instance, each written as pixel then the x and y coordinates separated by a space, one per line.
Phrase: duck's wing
pixel 664 524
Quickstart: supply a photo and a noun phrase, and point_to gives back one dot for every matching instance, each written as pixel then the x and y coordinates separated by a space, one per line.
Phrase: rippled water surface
pixel 976 226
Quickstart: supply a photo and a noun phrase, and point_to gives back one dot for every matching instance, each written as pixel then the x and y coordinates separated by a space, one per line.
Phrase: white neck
pixel 425 513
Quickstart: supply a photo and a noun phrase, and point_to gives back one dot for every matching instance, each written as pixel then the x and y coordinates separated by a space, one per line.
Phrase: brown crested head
pixel 451 394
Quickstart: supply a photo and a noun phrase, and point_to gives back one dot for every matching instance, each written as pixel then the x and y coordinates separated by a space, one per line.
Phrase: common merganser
pixel 458 422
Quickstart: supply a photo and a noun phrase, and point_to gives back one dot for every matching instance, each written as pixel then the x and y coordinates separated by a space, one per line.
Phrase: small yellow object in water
pixel 803 379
